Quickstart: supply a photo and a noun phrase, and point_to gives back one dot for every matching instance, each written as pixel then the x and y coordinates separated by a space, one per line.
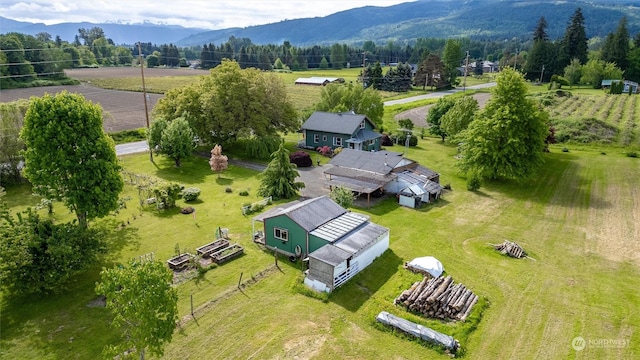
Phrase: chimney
pixel 385 159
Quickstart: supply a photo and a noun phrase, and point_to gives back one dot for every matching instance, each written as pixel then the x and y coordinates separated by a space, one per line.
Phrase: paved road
pixel 132 148
pixel 436 94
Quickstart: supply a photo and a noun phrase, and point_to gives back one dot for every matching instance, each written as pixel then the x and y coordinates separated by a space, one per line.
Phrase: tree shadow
pixel 117 238
pixel 223 181
pixel 359 289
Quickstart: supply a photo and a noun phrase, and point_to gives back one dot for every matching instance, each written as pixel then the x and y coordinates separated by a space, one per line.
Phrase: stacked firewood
pixel 510 248
pixel 438 298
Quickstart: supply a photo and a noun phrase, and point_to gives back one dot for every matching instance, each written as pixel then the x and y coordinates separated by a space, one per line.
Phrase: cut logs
pixel 511 248
pixel 438 298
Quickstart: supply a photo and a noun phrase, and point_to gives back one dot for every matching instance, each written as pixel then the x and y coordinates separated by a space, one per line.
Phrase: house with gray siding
pixel 345 130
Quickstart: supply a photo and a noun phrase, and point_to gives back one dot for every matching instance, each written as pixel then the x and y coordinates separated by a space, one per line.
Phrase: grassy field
pixel 577 219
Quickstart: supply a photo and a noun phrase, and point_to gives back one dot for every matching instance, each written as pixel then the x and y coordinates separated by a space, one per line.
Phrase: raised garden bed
pixel 226 254
pixel 212 247
pixel 179 262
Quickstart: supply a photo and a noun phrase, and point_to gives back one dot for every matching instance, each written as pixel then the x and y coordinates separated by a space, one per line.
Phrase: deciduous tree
pixel 218 162
pixel 279 178
pixel 459 116
pixel 507 138
pixel 176 140
pixel 144 305
pixel 434 117
pixel 69 157
pixel 11 118
pixel 342 196
pixel 231 103
pixel 350 97
pixel 38 256
pixel 452 58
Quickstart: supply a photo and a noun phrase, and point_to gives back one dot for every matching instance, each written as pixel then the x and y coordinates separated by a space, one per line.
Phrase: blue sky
pixel 208 14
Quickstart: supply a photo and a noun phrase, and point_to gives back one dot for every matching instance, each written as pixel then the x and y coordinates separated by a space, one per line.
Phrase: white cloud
pixel 211 14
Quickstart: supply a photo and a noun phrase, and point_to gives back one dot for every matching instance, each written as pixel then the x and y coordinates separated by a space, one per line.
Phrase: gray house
pixel 384 171
pixel 346 130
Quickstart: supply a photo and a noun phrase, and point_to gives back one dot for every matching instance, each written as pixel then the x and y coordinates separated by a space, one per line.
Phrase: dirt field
pixel 124 110
pixel 419 114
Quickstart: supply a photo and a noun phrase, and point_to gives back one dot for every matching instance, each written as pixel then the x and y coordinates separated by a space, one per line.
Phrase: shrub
pixel 243 193
pixel 385 140
pixel 473 182
pixel 413 140
pixel 632 154
pixel 337 151
pixel 190 194
pixel 325 150
pixel 564 149
pixel 228 189
pixel 301 159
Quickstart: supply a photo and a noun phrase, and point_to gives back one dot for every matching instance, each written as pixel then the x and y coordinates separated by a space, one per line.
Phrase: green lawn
pixel 577 219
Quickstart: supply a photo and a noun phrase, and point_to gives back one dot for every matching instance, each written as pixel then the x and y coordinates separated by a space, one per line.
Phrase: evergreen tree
pixel 540 33
pixel 616 47
pixel 279 178
pixel 574 44
pixel 542 56
pixel 430 72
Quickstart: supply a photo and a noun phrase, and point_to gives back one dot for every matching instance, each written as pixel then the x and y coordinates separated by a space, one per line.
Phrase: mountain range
pixel 479 19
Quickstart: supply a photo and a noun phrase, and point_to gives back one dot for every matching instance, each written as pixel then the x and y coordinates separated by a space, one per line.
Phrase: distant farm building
pixel 318 81
pixel 606 84
pixel 338 243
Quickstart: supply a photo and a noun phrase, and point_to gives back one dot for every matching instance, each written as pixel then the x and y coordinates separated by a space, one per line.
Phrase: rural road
pixel 437 94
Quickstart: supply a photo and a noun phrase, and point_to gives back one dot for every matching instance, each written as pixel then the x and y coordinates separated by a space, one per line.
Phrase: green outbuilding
pixel 337 243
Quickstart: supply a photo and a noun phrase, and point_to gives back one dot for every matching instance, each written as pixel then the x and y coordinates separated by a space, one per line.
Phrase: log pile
pixel 510 248
pixel 438 298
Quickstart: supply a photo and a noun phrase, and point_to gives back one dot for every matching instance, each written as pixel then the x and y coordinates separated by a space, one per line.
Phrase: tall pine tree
pixel 574 44
pixel 279 178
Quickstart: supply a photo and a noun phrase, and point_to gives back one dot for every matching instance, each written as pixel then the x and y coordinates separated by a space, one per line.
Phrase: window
pixel 324 137
pixel 281 234
pixel 362 125
pixel 316 138
pixel 337 141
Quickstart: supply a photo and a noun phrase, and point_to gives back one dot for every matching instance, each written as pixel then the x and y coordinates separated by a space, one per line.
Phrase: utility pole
pixel 144 93
pixel 364 69
pixel 515 64
pixel 541 74
pixel 466 67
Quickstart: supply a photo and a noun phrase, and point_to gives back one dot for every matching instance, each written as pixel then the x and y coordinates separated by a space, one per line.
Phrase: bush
pixel 473 182
pixel 228 189
pixel 564 149
pixel 301 159
pixel 337 151
pixel 325 150
pixel 190 194
pixel 243 193
pixel 413 140
pixel 632 154
pixel 385 140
